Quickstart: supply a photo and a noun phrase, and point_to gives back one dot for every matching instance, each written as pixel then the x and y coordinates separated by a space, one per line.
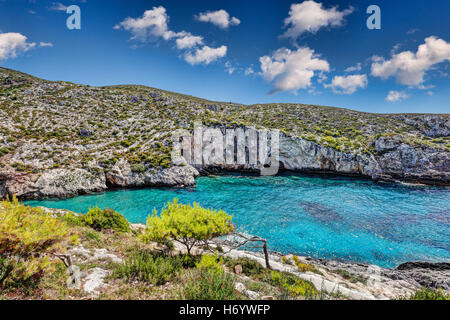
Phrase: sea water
pixel 322 217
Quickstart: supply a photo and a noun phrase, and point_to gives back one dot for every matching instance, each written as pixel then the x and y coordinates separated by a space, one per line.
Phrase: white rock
pixel 95 281
pixel 240 287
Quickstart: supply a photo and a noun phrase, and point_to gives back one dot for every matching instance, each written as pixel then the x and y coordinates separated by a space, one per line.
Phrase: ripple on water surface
pixel 334 218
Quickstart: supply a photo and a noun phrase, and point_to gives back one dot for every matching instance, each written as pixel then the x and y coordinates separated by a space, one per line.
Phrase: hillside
pixel 63 139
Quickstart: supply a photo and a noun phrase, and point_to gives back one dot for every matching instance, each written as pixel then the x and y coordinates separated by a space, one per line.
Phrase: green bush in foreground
pixel 428 294
pixel 150 266
pixel 209 262
pixel 28 238
pixel 186 224
pixel 208 282
pixel 291 285
pixel 249 267
pixel 100 219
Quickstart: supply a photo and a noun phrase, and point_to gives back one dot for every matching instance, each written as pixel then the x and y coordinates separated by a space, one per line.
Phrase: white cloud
pixel 153 23
pixel 291 70
pixel 357 67
pixel 348 84
pixel 249 71
pixel 58 6
pixel 394 96
pixel 310 16
pixel 188 41
pixel 321 77
pixel 412 31
pixel 220 18
pixel 409 68
pixel 205 55
pixel 45 44
pixel 229 67
pixel 12 44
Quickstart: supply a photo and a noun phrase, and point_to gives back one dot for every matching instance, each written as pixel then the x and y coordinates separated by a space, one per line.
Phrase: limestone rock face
pixel 402 161
pixel 121 175
pixel 58 183
pixel 431 125
pixel 297 154
pixel 66 182
pixel 393 159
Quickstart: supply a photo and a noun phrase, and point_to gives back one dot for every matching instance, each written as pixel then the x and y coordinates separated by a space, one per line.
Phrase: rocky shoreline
pixel 356 280
pixel 353 280
pixel 361 281
pixel 395 162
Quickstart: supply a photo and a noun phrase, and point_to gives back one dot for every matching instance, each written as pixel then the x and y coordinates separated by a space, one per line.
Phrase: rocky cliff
pixel 59 139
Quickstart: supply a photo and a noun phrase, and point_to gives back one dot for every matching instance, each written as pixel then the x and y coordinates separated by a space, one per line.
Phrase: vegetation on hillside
pixel 58 124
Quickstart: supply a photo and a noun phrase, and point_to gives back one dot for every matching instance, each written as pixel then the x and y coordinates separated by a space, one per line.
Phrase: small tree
pixel 29 237
pixel 100 219
pixel 186 224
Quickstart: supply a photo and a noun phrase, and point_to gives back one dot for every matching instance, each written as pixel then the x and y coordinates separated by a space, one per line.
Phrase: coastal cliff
pixel 59 139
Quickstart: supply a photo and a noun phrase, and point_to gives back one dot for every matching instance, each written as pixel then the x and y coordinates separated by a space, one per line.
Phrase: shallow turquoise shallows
pixel 333 218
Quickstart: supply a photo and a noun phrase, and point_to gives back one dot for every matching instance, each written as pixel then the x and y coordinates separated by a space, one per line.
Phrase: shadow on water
pixel 321 213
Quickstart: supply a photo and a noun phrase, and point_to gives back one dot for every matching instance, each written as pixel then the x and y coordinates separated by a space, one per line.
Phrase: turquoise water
pixel 334 218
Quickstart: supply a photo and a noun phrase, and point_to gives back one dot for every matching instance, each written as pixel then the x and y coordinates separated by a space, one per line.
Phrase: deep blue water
pixel 336 218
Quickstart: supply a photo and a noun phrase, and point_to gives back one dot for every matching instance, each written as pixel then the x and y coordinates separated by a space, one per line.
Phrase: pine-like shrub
pixel 209 262
pixel 101 219
pixel 428 294
pixel 186 224
pixel 28 238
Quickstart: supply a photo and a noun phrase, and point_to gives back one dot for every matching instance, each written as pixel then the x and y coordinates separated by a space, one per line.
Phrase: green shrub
pixel 4 151
pixel 125 143
pixel 209 262
pixel 186 224
pixel 138 168
pixel 303 267
pixel 249 266
pixel 428 294
pixel 156 268
pixel 292 285
pixel 207 284
pixel 72 219
pixel 100 219
pixel 28 238
pixel 351 276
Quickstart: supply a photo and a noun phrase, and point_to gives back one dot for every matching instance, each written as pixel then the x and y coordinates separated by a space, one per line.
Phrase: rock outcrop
pixel 56 183
pixel 65 183
pixel 122 176
pixel 393 159
pixel 423 274
pixel 429 124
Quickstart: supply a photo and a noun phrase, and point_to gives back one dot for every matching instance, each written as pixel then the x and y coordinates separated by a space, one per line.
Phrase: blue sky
pixel 315 52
